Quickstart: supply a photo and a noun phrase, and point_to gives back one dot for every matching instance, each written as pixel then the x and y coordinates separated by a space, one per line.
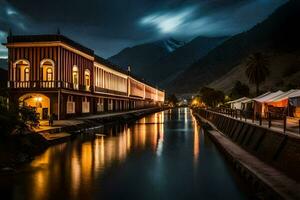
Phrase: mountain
pixel 139 57
pixel 170 44
pixel 161 61
pixel 168 67
pixel 284 68
pixel 278 36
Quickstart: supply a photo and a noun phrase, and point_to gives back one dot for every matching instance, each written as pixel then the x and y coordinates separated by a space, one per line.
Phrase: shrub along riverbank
pixel 17 140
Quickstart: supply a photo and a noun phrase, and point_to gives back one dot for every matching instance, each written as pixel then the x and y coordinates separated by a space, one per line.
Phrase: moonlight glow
pixel 170 21
pixel 10 11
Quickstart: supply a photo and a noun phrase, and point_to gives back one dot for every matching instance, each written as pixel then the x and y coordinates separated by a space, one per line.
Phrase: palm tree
pixel 257 69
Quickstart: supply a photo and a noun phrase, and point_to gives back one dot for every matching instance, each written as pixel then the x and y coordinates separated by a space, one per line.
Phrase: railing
pixel 68 85
pixel 19 84
pixel 272 119
pixel 47 85
pixel 236 113
pixel 33 84
pixel 59 84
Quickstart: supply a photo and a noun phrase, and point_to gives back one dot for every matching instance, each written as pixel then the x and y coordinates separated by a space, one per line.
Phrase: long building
pixel 56 75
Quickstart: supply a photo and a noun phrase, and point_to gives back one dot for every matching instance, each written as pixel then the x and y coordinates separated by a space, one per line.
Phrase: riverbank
pixel 266 181
pixel 20 149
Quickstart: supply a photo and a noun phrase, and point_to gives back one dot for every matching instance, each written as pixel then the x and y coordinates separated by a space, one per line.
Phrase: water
pixel 163 156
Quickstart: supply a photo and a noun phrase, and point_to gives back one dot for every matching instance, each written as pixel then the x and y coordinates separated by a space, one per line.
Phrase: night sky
pixel 111 25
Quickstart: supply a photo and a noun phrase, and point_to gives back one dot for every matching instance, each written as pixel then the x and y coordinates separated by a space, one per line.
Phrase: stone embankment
pixel 97 121
pixel 268 159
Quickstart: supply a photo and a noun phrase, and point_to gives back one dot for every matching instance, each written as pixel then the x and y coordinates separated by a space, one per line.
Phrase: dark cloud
pixel 110 25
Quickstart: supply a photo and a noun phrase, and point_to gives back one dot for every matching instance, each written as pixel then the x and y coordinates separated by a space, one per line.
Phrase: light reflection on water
pixel 196 141
pixel 150 159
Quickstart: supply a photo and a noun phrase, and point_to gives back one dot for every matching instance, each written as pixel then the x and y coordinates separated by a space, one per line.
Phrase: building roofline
pixel 49 38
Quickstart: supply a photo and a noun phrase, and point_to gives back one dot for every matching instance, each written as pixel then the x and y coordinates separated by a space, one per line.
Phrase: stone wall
pixel 280 150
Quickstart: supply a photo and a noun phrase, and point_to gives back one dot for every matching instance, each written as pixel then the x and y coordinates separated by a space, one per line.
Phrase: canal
pixel 165 155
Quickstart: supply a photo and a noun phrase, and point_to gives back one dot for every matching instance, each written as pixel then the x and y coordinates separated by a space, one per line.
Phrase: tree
pixel 29 116
pixel 239 90
pixel 196 101
pixel 211 97
pixel 257 69
pixel 15 120
pixel 172 99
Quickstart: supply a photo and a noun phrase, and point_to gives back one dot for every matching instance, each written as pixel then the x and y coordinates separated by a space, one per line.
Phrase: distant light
pixel 38 99
pixel 195 102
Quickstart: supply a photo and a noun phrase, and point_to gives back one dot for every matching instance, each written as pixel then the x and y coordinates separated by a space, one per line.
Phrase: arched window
pixel 21 70
pixel 75 77
pixel 49 74
pixel 47 66
pixel 26 73
pixel 87 79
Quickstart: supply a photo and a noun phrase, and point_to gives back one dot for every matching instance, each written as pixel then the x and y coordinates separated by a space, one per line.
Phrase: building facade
pixel 56 75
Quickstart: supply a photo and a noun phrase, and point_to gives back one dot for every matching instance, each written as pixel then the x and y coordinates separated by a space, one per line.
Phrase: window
pixel 49 74
pixel 75 77
pixel 21 72
pixel 47 66
pixel 110 104
pixel 87 79
pixel 100 105
pixel 70 105
pixel 85 105
pixel 26 74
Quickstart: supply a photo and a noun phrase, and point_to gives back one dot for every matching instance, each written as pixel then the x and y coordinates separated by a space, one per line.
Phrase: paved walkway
pixel 44 124
pixel 292 127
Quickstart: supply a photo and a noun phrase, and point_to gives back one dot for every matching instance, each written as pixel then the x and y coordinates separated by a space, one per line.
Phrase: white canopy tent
pixel 260 102
pixel 282 100
pixel 262 95
pixel 237 104
pixel 247 104
pixel 268 97
pixel 295 94
pixel 283 96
